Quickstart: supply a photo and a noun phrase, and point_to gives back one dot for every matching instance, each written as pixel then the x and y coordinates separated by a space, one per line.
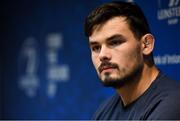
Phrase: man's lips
pixel 106 69
pixel 107 66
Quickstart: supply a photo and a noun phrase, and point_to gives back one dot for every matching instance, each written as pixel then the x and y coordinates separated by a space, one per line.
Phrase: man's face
pixel 115 52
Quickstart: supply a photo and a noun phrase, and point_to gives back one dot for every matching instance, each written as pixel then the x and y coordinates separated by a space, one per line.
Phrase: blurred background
pixel 45 66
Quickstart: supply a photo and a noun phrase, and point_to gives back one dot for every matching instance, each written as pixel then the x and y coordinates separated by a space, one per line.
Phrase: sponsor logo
pixel 173 3
pixel 169 12
pixel 55 72
pixel 167 59
pixel 28 64
pixel 29 61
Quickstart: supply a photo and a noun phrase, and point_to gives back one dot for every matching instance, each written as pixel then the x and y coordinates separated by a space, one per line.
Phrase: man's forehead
pixel 111 23
pixel 115 26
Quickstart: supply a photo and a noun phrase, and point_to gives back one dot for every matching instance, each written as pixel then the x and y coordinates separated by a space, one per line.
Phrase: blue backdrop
pixel 45 65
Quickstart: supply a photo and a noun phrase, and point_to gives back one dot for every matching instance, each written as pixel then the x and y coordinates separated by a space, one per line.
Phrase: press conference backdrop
pixel 46 69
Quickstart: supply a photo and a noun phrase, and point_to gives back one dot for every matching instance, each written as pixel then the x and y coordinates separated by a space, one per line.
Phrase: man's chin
pixel 113 83
pixel 110 80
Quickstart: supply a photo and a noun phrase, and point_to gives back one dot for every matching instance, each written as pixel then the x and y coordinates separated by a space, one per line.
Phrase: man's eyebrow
pixel 93 43
pixel 116 36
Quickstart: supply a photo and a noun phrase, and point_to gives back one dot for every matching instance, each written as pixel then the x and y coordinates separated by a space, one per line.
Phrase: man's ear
pixel 147 42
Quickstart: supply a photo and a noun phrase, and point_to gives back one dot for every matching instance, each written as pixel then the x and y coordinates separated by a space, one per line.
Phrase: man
pixel 122 52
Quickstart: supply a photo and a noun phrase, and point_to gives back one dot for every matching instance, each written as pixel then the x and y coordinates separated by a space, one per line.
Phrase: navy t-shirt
pixel 161 101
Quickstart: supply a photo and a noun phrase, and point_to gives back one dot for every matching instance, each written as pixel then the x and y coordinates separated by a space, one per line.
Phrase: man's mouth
pixel 106 69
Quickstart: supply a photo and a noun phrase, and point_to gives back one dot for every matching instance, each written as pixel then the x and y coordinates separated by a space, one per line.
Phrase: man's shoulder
pixel 166 101
pixel 168 108
pixel 105 106
pixel 167 91
pixel 166 83
pixel 109 102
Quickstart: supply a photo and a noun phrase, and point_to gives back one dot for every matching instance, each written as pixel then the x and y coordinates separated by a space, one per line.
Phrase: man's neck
pixel 132 91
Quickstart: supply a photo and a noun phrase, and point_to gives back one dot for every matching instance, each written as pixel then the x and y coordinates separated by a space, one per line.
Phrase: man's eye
pixel 114 42
pixel 96 48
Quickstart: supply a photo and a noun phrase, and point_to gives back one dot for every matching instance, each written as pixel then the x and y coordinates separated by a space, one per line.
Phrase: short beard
pixel 120 82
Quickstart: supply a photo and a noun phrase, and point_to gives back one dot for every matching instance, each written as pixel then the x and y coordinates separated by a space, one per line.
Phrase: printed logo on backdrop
pixel 55 72
pixel 28 65
pixel 167 59
pixel 169 11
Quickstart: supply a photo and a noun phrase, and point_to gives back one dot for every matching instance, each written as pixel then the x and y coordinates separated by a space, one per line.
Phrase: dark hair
pixel 133 14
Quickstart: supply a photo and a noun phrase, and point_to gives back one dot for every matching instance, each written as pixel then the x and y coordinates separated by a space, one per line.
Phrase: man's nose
pixel 105 54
